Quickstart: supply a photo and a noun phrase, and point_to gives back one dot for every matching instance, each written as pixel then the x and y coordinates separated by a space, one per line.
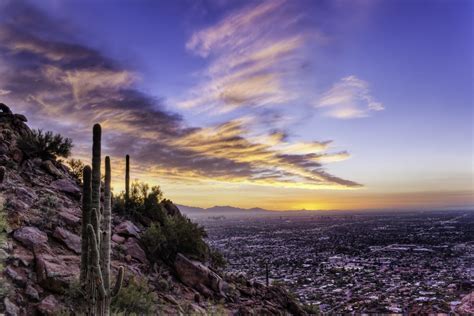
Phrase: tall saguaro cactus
pixel 96 230
pixel 127 178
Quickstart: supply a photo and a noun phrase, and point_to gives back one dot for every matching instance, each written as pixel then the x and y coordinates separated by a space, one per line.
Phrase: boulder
pixel 10 308
pixel 55 273
pixel 467 305
pixel 71 240
pixel 21 255
pixel 49 306
pixel 127 228
pixel 32 293
pixel 30 237
pixel 17 275
pixel 51 168
pixel 171 209
pixel 118 239
pixel 195 274
pixel 134 250
pixel 67 186
pixel 68 218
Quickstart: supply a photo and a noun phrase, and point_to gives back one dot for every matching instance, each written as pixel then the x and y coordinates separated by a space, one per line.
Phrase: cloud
pixel 349 98
pixel 66 86
pixel 254 55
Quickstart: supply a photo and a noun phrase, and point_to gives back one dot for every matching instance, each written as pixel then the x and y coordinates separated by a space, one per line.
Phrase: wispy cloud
pixel 67 87
pixel 349 98
pixel 253 56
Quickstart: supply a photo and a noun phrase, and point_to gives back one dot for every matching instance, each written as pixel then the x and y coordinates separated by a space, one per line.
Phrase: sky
pixel 283 105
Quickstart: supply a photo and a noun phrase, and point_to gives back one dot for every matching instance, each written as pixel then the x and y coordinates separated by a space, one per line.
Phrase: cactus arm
pixel 96 224
pixel 118 282
pixel 106 231
pixel 99 281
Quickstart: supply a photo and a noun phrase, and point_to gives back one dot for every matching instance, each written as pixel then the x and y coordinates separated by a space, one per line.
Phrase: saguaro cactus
pixel 95 256
pixel 127 178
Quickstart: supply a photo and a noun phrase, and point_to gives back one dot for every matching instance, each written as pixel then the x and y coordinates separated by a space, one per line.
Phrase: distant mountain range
pixel 224 211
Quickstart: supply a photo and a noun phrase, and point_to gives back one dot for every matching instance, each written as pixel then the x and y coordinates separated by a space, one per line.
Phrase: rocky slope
pixel 41 254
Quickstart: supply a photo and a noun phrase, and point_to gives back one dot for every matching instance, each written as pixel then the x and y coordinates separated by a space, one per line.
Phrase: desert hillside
pixel 41 251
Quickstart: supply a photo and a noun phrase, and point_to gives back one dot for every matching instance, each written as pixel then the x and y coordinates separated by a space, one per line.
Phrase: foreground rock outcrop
pixel 42 252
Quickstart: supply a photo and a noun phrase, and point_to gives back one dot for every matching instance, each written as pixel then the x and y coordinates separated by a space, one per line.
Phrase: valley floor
pixel 387 263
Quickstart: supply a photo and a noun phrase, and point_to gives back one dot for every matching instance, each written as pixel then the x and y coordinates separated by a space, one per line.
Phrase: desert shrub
pixel 135 298
pixel 175 234
pixel 143 205
pixel 38 144
pixel 217 260
pixel 76 166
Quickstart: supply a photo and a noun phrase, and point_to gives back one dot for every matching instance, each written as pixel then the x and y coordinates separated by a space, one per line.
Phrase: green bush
pixel 135 298
pixel 76 166
pixel 175 234
pixel 144 204
pixel 45 145
pixel 216 259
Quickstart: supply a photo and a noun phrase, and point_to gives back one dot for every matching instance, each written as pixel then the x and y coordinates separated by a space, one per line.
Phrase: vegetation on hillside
pixel 167 232
pixel 45 145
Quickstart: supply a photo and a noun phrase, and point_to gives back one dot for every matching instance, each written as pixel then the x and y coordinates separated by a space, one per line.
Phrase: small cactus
pixel 96 230
pixel 127 178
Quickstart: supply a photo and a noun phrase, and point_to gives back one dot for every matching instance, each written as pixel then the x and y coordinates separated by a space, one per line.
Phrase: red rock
pixel 49 306
pixel 467 305
pixel 30 236
pixel 69 219
pixel 55 273
pixel 195 274
pixel 133 249
pixel 66 186
pixel 118 239
pixel 127 228
pixel 71 240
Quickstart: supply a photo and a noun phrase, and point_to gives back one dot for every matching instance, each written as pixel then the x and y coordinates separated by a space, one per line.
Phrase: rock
pixel 194 309
pixel 170 299
pixel 171 209
pixel 55 273
pixel 194 273
pixel 467 305
pixel 71 240
pixel 133 249
pixel 69 219
pixel 10 308
pixel 67 186
pixel 118 239
pixel 18 276
pixel 3 255
pixel 22 255
pixel 16 154
pixel 30 237
pixel 51 168
pixel 25 194
pixel 127 228
pixel 3 174
pixel 49 306
pixel 32 293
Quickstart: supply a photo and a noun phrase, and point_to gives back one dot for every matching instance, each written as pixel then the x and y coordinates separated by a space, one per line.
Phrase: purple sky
pixel 277 104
